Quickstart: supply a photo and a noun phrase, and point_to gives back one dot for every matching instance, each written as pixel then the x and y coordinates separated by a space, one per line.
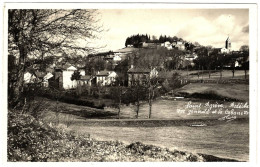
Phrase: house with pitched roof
pixel 140 75
pixel 46 79
pixel 29 78
pixel 104 78
pixel 86 80
pixel 37 78
pixel 62 77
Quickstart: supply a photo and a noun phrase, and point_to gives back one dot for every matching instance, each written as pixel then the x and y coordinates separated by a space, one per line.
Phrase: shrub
pixel 71 98
pixel 32 140
pixel 175 81
pixel 95 95
pixel 211 95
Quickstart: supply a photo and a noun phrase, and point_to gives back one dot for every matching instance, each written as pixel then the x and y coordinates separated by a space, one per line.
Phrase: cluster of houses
pixel 61 77
pixel 174 45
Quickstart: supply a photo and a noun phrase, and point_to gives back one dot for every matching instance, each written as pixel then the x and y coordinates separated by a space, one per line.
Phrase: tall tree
pixel 245 52
pixel 244 48
pixel 152 84
pixel 40 33
pixel 138 92
pixel 118 93
pixel 151 59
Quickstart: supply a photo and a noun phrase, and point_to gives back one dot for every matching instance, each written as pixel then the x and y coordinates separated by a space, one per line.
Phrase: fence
pixel 221 81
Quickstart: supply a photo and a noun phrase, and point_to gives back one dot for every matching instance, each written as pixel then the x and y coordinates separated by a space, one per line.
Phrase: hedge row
pixel 71 99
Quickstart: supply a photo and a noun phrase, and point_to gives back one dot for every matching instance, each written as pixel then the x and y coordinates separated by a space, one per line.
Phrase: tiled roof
pixel 65 67
pixel 62 67
pixel 103 73
pixel 85 77
pixel 139 70
pixel 40 74
pixel 127 49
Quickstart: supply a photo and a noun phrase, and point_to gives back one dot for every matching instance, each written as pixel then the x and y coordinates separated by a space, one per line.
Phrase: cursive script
pixel 239 105
pixel 227 118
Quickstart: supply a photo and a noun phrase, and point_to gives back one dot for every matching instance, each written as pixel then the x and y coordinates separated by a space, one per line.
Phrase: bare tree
pixel 138 91
pixel 152 84
pixel 151 59
pixel 34 33
pixel 245 52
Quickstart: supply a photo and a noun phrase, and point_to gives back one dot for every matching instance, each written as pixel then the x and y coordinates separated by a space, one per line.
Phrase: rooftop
pixel 66 67
pixel 139 70
pixel 85 77
pixel 127 49
pixel 104 73
pixel 40 74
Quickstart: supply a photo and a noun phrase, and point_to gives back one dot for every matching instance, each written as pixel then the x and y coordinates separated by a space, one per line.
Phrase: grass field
pixel 31 140
pixel 237 91
pixel 173 134
pixel 162 109
pixel 225 74
pixel 192 74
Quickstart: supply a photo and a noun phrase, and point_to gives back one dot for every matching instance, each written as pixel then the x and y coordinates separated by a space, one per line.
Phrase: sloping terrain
pixel 33 140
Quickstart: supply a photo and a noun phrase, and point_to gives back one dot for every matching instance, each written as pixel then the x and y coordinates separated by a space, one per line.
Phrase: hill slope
pixel 32 140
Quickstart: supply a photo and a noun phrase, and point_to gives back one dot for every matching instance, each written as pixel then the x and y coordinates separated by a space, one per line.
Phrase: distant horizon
pixel 205 26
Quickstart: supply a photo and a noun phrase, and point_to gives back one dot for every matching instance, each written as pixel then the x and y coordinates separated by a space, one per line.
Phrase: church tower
pixel 228 45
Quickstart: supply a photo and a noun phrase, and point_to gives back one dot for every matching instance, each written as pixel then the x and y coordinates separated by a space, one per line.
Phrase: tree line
pixel 135 40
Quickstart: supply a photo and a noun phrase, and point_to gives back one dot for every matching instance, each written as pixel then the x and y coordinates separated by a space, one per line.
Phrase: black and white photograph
pixel 125 83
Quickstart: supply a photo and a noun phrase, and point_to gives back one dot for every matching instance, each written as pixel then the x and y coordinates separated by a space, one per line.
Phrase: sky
pixel 206 26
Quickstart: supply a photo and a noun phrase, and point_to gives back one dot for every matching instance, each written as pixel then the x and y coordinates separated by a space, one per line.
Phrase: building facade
pixel 104 78
pixel 228 45
pixel 140 76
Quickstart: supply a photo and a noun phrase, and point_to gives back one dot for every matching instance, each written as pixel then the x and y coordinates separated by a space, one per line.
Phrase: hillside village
pixel 104 68
pixel 151 98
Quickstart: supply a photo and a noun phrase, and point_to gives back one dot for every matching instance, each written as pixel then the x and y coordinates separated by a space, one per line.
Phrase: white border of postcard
pixel 253 22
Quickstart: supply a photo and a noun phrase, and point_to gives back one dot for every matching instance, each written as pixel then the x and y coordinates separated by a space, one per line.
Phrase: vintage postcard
pixel 130 82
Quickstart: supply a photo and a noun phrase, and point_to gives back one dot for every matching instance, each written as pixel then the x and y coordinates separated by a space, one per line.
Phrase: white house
pixel 29 78
pixel 105 77
pixel 191 57
pixel 237 64
pixel 82 72
pixel 153 73
pixel 167 45
pixel 179 45
pixel 37 77
pixel 46 78
pixel 85 80
pixel 66 78
pixel 117 57
pixel 223 50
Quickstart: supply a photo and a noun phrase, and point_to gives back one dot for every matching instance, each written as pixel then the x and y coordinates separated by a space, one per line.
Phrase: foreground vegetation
pixel 33 140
